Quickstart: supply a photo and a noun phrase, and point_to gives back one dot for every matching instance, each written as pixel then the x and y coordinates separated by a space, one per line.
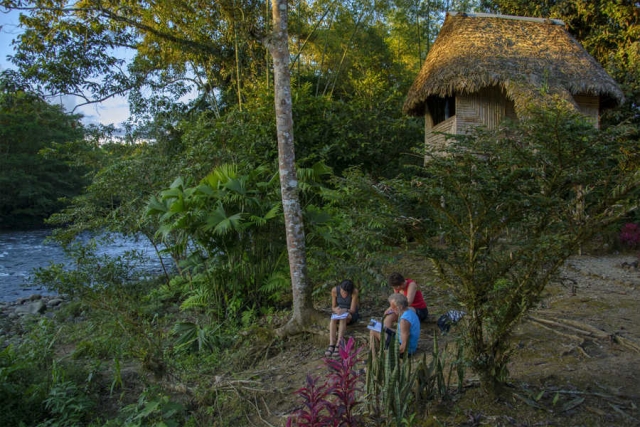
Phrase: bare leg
pixel 333 326
pixel 342 328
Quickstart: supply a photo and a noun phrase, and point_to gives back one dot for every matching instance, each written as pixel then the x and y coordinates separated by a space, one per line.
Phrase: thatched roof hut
pixel 483 68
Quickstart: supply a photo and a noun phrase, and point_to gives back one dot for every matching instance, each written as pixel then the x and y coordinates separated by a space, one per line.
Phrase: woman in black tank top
pixel 344 309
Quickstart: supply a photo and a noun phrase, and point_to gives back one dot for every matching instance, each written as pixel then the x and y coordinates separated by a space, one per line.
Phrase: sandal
pixel 330 350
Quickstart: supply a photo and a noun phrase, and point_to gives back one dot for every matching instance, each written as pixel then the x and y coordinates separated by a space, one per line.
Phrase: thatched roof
pixel 527 57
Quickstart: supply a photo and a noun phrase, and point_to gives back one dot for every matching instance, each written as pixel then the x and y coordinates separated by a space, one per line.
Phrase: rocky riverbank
pixel 14 314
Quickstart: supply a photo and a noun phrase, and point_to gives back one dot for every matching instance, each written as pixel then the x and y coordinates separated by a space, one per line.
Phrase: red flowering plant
pixel 332 403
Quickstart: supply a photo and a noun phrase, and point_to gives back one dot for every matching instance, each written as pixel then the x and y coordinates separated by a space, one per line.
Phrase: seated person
pixel 408 329
pixel 344 300
pixel 408 288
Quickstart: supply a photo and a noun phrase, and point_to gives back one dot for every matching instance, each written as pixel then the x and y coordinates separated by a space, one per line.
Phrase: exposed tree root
pixel 579 329
pixel 311 321
pixel 627 343
pixel 556 331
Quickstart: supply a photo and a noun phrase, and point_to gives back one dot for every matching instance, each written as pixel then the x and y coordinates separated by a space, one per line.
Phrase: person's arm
pixel 334 301
pixel 405 329
pixel 412 287
pixel 354 302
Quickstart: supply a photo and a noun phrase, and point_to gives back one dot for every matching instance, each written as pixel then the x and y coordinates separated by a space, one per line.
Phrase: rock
pixel 55 302
pixel 37 307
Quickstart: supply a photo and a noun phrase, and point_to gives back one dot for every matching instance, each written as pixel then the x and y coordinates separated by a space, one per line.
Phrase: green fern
pixel 192 337
pixel 201 297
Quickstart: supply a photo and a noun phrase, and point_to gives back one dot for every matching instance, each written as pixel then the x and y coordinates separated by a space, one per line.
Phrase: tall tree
pixel 33 183
pixel 278 45
pixel 173 48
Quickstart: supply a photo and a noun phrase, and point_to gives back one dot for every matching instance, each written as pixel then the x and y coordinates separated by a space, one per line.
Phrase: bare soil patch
pixel 577 361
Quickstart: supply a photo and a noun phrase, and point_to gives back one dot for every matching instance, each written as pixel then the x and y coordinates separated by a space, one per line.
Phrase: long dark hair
pixel 347 285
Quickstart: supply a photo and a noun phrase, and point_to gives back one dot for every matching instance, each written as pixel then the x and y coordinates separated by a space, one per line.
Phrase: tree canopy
pixel 34 183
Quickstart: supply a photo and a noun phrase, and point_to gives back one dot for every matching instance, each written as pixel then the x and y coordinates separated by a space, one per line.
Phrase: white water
pixel 23 251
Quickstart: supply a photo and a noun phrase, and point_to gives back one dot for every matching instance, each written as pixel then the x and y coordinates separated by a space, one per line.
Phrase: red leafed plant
pixel 332 403
pixel 630 235
pixel 317 410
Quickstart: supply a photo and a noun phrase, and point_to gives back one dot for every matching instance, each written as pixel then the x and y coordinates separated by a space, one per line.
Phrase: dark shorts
pixel 423 313
pixel 354 318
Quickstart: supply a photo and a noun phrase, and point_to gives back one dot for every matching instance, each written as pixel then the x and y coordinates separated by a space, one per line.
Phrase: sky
pixel 113 111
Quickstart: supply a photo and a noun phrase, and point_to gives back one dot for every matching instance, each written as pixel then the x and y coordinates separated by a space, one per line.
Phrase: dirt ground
pixel 577 361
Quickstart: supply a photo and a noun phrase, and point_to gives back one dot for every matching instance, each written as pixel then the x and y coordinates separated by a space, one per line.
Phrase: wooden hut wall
pixel 433 134
pixel 590 107
pixel 488 108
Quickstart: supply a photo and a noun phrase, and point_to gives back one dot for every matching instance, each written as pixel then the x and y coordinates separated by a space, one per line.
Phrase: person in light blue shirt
pixel 408 330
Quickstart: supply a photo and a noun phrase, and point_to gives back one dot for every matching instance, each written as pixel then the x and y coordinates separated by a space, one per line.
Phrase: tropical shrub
pixel 501 211
pixel 226 234
pixel 67 405
pixel 333 401
pixel 35 389
pixel 21 397
pixel 153 409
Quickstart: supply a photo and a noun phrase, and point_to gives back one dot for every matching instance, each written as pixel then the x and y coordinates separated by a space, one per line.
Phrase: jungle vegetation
pixel 198 171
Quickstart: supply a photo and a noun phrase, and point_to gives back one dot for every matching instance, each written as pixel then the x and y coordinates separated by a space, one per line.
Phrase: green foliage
pixel 21 389
pixel 34 184
pixel 37 390
pixel 120 319
pixel 501 211
pixel 193 337
pixel 368 130
pixel 91 273
pixel 400 389
pixel 365 230
pixel 227 234
pixel 434 377
pixel 125 176
pixel 348 85
pixel 67 405
pixel 390 383
pixel 212 229
pixel 154 409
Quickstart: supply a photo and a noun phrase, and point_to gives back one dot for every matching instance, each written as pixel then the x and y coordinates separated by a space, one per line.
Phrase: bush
pixel 332 402
pixel 630 235
pixel 67 406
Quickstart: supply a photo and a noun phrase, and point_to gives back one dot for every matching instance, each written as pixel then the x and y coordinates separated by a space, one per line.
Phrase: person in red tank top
pixel 408 288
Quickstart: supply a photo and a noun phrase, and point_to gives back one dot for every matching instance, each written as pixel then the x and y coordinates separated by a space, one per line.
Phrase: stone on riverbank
pixel 12 314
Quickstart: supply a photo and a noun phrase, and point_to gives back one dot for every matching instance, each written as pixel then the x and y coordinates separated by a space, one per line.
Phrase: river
pixel 23 251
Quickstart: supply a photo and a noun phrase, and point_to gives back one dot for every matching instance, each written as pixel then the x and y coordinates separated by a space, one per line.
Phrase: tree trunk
pixel 278 45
